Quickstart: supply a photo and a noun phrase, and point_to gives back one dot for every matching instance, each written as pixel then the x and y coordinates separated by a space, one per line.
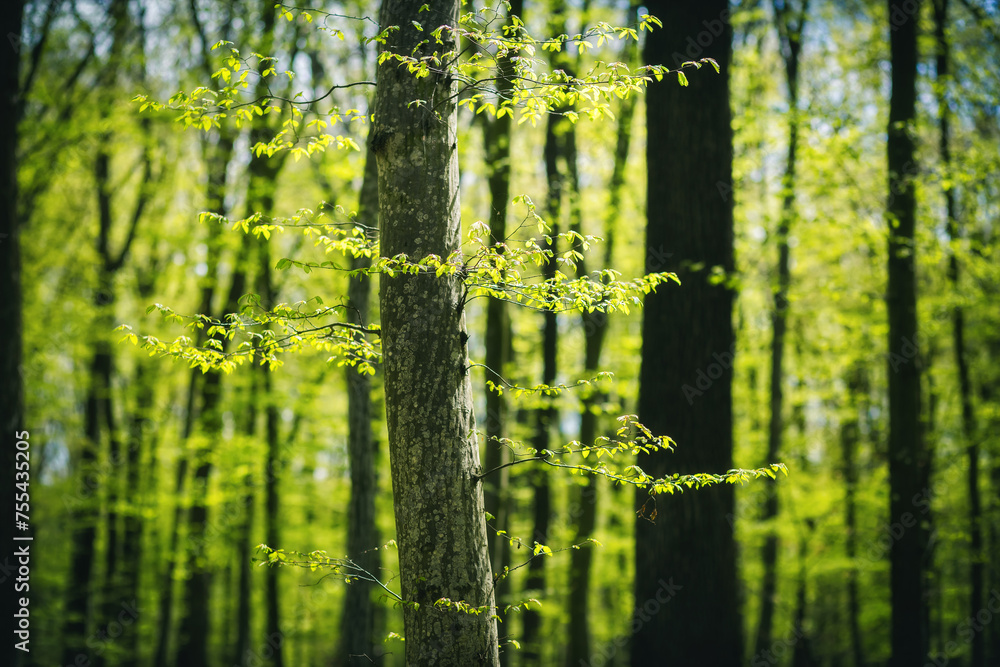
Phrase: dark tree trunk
pixel 433 449
pixel 583 507
pixel 244 532
pixel 561 177
pixel 802 653
pixel 687 356
pixel 101 400
pixel 137 491
pixel 11 380
pixel 907 458
pixel 272 508
pixel 497 138
pixel 547 416
pixel 99 412
pixel 790 24
pixel 195 624
pixel 850 438
pixel 275 458
pixel 218 157
pixel 218 153
pixel 995 550
pixel 976 557
pixel 357 623
pixel 165 608
pixel 141 472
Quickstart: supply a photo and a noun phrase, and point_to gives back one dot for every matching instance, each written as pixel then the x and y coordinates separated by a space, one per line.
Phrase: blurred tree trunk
pixel 11 380
pixel 497 140
pixel 995 546
pixel 195 631
pixel 244 530
pixel 218 153
pixel 274 463
pixel 357 624
pixel 217 156
pixel 433 448
pixel 195 624
pixel 595 325
pixel 139 496
pixel 100 421
pixel 907 457
pixel 261 186
pixel 546 417
pixel 969 434
pixel 139 489
pixel 850 438
pixel 790 23
pixel 802 653
pixel 687 331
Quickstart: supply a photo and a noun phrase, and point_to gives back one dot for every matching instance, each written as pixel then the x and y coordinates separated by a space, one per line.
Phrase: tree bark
pixel 195 624
pixel 497 139
pixel 138 490
pixel 850 437
pixel 433 449
pixel 688 330
pixel 802 653
pixel 954 227
pixel 790 24
pixel 274 462
pixel 357 625
pixel 244 532
pixel 595 325
pixel 907 458
pixel 546 417
pixel 218 153
pixel 11 380
pixel 100 425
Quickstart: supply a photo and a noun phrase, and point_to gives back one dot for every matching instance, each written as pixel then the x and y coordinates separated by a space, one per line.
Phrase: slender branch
pixel 537 457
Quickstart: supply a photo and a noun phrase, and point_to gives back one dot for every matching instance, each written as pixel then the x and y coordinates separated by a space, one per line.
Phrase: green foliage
pixel 525 271
pixel 630 439
pixel 485 37
pixel 501 271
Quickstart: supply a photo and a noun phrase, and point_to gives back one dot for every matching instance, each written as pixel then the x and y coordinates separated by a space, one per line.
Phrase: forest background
pixel 152 484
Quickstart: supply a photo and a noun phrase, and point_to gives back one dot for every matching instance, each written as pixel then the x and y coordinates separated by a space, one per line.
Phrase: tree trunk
pixel 976 557
pixel 802 654
pixel 244 532
pixel 850 437
pixel 195 625
pixel 907 459
pixel 11 380
pixel 262 173
pixel 790 25
pixel 100 398
pixel 547 416
pixel 141 475
pixel 99 412
pixel 687 356
pixel 497 138
pixel 140 435
pixel 218 153
pixel 275 458
pixel 995 550
pixel 433 449
pixel 583 507
pixel 272 508
pixel 357 622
